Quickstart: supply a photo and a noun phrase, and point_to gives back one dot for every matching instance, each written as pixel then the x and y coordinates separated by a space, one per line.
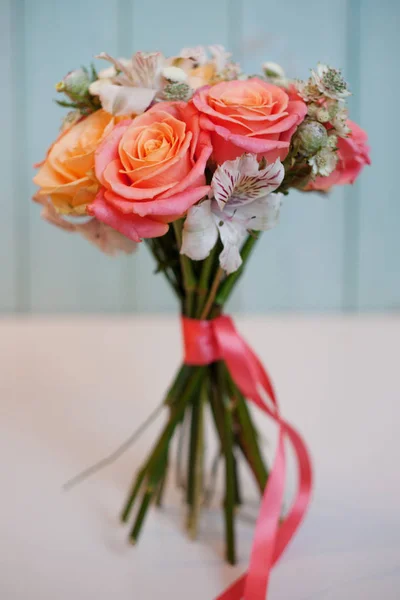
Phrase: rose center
pixel 151 145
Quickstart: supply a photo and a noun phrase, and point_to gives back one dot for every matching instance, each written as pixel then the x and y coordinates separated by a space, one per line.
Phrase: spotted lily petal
pixel 146 69
pixel 240 181
pixel 120 65
pixel 260 215
pixel 232 234
pixel 220 56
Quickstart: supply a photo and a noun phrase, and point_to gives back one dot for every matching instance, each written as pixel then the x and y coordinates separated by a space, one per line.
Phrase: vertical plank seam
pixel 20 185
pixel 235 40
pixel 351 226
pixel 128 296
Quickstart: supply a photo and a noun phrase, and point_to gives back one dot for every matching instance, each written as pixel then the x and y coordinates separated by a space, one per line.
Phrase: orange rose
pixel 248 116
pixel 152 170
pixel 67 173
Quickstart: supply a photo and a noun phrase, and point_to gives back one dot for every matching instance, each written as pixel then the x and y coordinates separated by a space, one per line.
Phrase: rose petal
pixel 256 146
pixel 163 207
pixel 132 226
pixel 118 183
pixel 196 176
pixel 108 149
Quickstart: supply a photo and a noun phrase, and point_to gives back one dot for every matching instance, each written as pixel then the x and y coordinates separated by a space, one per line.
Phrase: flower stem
pixel 161 488
pixel 137 484
pixel 203 285
pixel 213 293
pixel 153 484
pixel 227 286
pixel 195 465
pixel 178 384
pixel 144 507
pixel 230 481
pixel 177 411
pixel 181 481
pixel 189 279
pixel 162 265
pixel 247 435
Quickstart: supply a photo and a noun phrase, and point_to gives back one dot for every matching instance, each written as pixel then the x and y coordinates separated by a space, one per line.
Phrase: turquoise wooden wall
pixel 339 253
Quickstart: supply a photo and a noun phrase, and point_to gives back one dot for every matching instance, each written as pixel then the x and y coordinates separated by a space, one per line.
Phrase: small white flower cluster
pixel 325 93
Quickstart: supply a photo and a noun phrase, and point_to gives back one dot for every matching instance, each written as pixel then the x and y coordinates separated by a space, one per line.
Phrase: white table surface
pixel 73 388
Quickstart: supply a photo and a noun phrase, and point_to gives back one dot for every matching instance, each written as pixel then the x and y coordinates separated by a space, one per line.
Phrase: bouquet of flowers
pixel 194 157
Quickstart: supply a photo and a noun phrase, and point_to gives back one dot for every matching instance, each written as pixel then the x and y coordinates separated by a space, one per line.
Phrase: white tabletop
pixel 73 388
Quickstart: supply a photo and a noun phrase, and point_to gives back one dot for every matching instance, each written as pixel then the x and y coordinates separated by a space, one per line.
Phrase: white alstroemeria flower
pixel 220 57
pixel 242 201
pixel 330 82
pixel 105 76
pixel 132 85
pixel 197 54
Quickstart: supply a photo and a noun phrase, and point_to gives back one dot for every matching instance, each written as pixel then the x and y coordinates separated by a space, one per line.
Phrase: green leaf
pixel 66 104
pixel 93 72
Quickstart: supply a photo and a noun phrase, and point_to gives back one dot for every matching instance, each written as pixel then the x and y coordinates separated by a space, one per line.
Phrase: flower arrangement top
pixel 151 141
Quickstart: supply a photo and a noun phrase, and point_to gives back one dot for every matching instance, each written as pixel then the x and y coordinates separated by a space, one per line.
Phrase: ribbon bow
pixel 217 339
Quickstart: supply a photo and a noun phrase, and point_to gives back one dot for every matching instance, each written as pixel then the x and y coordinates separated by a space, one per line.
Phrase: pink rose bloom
pixel 248 116
pixel 353 155
pixel 151 170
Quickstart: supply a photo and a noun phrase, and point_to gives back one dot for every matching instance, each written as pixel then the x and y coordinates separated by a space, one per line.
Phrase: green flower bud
pixel 311 136
pixel 274 70
pixel 75 84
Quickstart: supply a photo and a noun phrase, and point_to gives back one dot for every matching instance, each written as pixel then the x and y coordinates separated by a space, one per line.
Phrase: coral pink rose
pixel 353 155
pixel 151 170
pixel 248 116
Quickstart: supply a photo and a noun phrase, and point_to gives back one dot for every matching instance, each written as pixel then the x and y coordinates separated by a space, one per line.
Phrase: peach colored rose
pixel 353 154
pixel 248 116
pixel 67 173
pixel 151 170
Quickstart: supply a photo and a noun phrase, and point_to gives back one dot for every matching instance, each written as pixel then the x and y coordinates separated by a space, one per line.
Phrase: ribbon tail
pixel 271 538
pixel 234 591
pixel 303 496
pixel 261 560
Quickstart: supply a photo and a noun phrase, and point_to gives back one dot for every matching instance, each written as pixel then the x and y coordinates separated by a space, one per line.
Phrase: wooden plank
pixel 8 241
pixel 299 265
pixel 67 273
pixel 379 241
pixel 168 27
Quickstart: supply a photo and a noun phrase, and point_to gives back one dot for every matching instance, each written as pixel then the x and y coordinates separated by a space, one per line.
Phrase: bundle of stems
pixel 202 289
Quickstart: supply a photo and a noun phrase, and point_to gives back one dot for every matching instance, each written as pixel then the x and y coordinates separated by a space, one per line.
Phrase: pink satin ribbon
pixel 209 341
